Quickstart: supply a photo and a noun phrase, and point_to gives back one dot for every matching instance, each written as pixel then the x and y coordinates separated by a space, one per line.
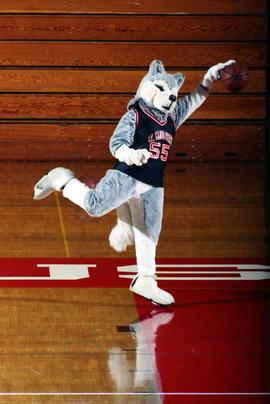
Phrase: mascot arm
pixel 122 141
pixel 214 74
pixel 188 104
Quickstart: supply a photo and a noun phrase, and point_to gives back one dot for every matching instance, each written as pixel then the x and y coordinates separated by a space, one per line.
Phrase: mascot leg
pixel 144 284
pixel 122 234
pixel 112 191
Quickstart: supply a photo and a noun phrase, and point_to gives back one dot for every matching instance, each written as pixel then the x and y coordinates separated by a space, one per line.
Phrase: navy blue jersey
pixel 157 137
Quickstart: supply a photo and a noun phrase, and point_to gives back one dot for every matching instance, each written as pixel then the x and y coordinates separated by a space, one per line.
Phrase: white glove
pixel 131 156
pixel 214 74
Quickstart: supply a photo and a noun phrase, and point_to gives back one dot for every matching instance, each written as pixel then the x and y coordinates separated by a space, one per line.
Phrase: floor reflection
pixel 143 375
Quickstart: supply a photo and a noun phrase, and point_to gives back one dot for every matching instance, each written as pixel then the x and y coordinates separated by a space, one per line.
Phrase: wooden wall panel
pixel 133 28
pixel 77 80
pixel 68 69
pixel 88 141
pixel 130 6
pixel 218 152
pixel 88 132
pixel 201 152
pixel 129 54
pixel 92 106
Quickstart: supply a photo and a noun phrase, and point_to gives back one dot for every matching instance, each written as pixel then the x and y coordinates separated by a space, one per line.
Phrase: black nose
pixel 172 98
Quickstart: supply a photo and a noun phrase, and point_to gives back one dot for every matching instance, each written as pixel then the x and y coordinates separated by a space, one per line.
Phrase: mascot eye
pixel 159 87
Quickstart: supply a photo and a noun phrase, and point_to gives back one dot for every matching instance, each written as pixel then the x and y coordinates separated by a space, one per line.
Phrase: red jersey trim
pixel 137 117
pixel 154 119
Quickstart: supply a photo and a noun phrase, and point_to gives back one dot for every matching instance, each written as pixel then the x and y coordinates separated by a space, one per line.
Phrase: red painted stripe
pixel 105 274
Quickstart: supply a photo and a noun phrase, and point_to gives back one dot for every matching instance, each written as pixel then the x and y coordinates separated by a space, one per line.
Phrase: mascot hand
pixel 131 156
pixel 138 157
pixel 214 74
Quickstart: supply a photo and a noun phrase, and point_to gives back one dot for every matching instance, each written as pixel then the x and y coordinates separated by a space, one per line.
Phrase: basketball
pixel 235 77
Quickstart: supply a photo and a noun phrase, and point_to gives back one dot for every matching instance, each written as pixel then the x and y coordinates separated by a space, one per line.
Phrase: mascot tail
pixel 122 234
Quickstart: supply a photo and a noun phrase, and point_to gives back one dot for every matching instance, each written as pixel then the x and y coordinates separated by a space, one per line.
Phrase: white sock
pixel 76 192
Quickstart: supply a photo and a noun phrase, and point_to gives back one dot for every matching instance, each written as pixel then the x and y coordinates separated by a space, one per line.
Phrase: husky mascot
pixel 141 144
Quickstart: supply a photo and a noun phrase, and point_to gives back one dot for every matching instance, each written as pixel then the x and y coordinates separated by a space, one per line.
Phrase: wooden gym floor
pixel 70 331
pixel 58 342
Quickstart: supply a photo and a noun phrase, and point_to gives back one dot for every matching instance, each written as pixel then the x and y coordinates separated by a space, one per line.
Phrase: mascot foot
pixel 55 180
pixel 147 287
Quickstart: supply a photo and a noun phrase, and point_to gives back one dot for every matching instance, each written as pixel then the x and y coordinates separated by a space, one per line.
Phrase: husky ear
pixel 156 67
pixel 180 78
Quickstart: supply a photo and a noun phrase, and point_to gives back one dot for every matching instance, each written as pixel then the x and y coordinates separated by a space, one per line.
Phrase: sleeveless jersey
pixel 157 137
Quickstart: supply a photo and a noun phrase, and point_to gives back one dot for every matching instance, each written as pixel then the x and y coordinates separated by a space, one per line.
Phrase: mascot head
pixel 158 88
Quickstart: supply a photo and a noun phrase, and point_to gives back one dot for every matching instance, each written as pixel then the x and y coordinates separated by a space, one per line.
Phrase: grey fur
pixel 181 111
pixel 156 67
pixel 124 132
pixel 113 190
pixel 157 72
pixel 153 212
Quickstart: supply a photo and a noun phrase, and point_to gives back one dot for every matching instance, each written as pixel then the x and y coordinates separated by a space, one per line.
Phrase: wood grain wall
pixel 68 68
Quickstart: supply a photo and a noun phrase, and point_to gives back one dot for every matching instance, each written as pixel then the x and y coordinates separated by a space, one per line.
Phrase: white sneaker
pixel 147 287
pixel 55 180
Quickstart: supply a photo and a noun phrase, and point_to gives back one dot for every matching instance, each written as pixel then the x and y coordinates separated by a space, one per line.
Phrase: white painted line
pixel 253 276
pixel 139 394
pixel 133 268
pixel 66 265
pixel 199 272
pixel 26 278
pixel 128 268
pixel 175 278
pixel 244 271
pixel 238 266
pixel 243 276
pixel 56 272
pixel 67 271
